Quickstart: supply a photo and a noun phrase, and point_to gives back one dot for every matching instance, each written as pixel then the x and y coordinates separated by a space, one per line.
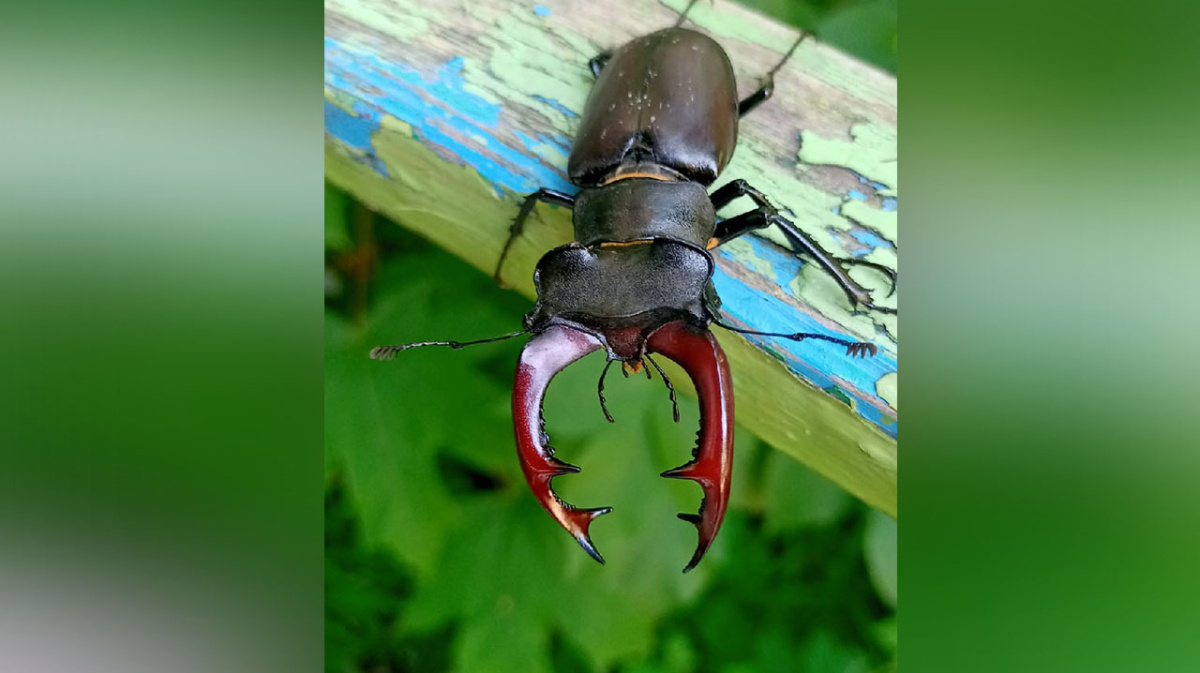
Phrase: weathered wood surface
pixel 442 114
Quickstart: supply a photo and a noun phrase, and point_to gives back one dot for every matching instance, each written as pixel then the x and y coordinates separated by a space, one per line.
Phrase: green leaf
pixel 879 549
pixel 386 422
pixel 424 446
pixel 824 653
pixel 797 496
pixel 506 640
pixel 887 634
pixel 493 562
pixel 511 549
pixel 679 654
pixel 865 29
pixel 337 230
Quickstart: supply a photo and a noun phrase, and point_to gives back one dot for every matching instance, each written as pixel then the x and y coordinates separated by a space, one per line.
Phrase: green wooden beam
pixel 442 119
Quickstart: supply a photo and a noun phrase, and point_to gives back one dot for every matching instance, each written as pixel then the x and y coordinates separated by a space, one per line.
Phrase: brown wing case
pixel 668 98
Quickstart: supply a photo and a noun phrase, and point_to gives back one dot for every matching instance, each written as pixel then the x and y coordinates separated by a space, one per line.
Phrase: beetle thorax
pixel 640 209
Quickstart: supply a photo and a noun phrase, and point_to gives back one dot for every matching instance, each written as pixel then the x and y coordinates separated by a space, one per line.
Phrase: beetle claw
pixel 580 520
pixel 544 356
pixel 697 351
pixel 712 460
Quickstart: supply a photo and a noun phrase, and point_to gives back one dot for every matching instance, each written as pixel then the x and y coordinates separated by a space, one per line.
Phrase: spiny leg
pixel 853 348
pixel 518 225
pixel 766 215
pixel 768 83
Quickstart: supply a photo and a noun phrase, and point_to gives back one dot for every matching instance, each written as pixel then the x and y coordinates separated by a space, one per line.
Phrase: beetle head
pixel 631 300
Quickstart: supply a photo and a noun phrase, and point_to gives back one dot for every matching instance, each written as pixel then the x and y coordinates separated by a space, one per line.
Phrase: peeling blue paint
pixel 557 106
pixel 784 266
pixel 870 238
pixel 459 124
pixel 443 113
pixel 351 129
pixel 821 363
pixel 541 10
pixel 857 195
pixel 876 416
pixel 562 143
pixel 889 204
pixel 355 129
pixel 877 186
pixel 542 146
pixel 530 143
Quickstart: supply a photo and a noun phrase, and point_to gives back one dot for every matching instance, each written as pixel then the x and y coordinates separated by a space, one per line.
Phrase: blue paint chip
pixel 889 204
pixel 877 186
pixel 541 10
pixel 355 129
pixel 557 106
pixel 786 267
pixel 349 128
pixel 857 195
pixel 823 364
pixel 442 112
pixel 870 239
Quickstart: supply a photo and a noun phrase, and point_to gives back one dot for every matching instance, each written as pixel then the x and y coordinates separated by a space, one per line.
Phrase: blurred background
pixel 439 559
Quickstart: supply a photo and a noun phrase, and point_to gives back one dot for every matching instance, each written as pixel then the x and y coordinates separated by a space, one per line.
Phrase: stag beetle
pixel 659 126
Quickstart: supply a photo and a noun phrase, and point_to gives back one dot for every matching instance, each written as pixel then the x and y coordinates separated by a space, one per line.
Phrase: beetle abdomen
pixel 667 98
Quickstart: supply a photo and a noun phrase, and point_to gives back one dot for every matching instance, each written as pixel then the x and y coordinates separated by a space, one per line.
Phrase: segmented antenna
pixel 389 352
pixel 683 14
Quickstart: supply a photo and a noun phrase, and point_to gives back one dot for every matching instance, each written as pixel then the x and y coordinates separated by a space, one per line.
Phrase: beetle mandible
pixel 659 126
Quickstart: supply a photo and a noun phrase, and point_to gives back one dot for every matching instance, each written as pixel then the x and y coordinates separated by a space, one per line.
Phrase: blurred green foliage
pixel 439 559
pixel 865 29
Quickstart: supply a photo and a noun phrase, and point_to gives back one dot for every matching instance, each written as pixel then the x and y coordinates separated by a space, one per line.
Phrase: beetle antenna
pixel 600 392
pixel 853 348
pixel 804 34
pixel 683 15
pixel 670 388
pixel 388 352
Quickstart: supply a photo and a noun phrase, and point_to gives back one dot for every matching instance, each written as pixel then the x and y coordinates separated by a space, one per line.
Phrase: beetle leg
pixel 597 62
pixel 833 265
pixel 853 348
pixel 544 356
pixel 518 224
pixel 698 352
pixel 767 215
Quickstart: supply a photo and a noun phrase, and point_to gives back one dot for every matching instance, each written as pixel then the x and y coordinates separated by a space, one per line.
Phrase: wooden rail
pixel 441 115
